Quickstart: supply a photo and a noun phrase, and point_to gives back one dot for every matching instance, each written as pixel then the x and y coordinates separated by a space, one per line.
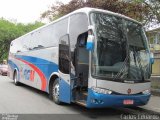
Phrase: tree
pixel 9 31
pixel 152 16
pixel 135 10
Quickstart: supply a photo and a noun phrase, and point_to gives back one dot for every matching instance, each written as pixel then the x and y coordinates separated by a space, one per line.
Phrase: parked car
pixel 3 69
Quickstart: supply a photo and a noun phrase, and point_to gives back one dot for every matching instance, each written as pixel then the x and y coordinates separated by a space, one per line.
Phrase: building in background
pixel 154 41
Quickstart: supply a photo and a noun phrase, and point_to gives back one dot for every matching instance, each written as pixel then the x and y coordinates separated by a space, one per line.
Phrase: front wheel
pixel 54 93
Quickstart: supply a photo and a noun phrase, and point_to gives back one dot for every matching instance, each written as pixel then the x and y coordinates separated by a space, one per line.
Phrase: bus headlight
pixel 146 92
pixel 100 90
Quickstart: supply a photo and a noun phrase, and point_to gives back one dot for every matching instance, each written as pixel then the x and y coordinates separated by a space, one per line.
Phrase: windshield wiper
pixel 122 72
pixel 139 63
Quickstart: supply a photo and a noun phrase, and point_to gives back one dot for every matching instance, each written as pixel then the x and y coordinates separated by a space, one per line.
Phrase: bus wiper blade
pixel 140 66
pixel 129 81
pixel 123 69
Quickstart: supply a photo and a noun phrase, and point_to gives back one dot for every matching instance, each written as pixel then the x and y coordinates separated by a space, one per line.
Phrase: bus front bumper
pixel 97 100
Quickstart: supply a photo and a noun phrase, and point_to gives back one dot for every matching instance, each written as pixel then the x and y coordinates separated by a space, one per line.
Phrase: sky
pixel 25 11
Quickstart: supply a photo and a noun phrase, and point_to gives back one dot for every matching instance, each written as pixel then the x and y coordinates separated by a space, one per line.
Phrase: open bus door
pixel 64 69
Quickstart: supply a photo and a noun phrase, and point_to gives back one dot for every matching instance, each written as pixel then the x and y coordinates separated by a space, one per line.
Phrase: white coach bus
pixel 92 57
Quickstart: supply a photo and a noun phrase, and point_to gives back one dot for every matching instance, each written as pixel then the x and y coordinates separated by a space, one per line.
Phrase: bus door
pixel 64 69
pixel 82 60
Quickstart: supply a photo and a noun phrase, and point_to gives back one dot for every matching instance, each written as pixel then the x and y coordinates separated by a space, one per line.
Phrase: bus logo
pixel 129 91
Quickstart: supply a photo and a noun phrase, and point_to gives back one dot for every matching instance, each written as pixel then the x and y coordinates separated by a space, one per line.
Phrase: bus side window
pixel 64 55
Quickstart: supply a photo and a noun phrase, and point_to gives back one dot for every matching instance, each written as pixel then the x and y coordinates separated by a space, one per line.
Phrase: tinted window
pixel 64 55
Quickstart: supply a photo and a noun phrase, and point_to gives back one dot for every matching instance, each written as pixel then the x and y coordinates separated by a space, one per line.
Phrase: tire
pixel 15 79
pixel 54 91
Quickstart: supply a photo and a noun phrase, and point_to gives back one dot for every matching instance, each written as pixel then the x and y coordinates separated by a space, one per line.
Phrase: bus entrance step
pixel 81 102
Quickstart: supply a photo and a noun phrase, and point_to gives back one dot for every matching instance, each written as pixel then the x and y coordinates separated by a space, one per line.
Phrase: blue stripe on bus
pixel 47 67
pixel 13 67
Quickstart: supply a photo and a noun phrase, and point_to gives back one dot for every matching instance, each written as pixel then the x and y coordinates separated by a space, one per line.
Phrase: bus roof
pixel 85 10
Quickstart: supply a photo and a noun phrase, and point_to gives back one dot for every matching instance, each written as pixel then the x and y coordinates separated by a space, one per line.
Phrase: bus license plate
pixel 128 102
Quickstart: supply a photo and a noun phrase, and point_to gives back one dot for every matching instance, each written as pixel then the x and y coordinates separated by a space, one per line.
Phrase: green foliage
pixel 145 11
pixel 9 31
pixel 152 15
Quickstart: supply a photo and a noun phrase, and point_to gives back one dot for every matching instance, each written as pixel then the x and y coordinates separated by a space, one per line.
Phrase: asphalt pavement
pixel 29 103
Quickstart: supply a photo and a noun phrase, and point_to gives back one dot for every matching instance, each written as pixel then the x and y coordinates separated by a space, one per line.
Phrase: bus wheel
pixel 15 79
pixel 55 91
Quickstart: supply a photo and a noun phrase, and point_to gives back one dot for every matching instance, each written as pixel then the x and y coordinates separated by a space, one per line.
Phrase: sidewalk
pixel 154 102
pixel 155 85
pixel 153 105
pixel 155 92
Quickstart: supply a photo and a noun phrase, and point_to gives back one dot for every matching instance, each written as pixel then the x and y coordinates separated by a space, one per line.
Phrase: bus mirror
pixel 151 58
pixel 90 41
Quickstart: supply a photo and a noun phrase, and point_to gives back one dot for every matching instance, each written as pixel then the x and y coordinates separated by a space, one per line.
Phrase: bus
pixel 91 57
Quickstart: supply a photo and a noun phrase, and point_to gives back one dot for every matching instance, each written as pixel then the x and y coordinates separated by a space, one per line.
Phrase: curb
pixel 155 77
pixel 155 92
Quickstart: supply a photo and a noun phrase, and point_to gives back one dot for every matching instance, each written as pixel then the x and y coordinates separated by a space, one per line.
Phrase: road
pixel 26 100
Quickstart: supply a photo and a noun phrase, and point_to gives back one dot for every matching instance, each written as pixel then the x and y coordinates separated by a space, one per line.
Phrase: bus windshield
pixel 121 51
